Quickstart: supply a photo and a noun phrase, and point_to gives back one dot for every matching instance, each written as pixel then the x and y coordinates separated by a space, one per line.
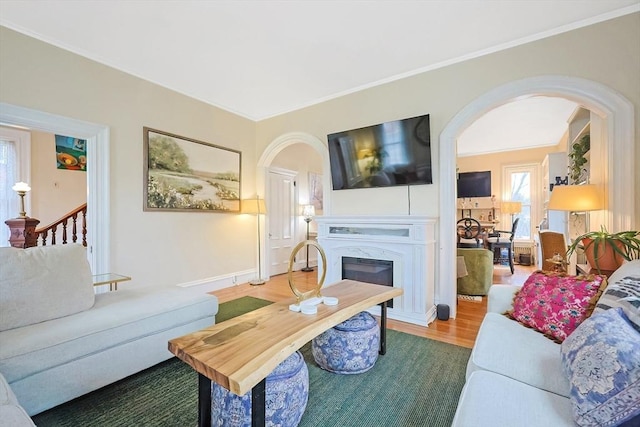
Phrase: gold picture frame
pixel 186 175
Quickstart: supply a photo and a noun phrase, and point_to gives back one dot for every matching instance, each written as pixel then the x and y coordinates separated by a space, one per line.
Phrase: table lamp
pixel 21 188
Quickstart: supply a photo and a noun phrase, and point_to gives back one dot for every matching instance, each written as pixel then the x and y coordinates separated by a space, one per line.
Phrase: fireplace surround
pixel 402 247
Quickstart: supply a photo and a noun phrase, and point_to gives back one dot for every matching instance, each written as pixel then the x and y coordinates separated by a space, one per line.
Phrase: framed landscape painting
pixel 185 175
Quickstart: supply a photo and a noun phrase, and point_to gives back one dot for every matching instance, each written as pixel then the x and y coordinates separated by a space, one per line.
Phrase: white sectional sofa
pixel 515 374
pixel 59 340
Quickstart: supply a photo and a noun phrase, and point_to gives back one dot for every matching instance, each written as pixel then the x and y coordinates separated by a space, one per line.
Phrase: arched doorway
pixel 618 130
pixel 266 159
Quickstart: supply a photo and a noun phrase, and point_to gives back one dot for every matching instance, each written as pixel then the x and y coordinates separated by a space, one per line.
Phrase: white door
pixel 282 215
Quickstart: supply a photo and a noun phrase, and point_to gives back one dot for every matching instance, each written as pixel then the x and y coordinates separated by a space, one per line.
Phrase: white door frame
pixel 270 153
pixel 97 137
pixel 269 197
pixel 618 159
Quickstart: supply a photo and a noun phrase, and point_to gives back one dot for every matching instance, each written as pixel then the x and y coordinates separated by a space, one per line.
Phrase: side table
pixel 586 269
pixel 110 279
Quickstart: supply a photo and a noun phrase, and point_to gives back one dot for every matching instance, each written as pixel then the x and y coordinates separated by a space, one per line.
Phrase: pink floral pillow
pixel 556 303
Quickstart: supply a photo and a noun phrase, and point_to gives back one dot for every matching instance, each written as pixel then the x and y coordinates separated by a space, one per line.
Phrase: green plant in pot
pixel 577 159
pixel 607 251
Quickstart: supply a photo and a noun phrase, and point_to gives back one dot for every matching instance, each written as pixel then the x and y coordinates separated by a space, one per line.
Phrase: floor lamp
pixel 256 207
pixel 512 208
pixel 576 198
pixel 308 212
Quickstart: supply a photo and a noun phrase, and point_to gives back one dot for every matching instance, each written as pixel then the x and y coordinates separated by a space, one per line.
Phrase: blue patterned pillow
pixel 601 358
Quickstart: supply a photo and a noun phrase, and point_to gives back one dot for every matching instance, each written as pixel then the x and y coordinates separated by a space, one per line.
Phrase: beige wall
pixel 495 161
pixel 175 247
pixel 152 247
pixel 607 53
pixel 55 192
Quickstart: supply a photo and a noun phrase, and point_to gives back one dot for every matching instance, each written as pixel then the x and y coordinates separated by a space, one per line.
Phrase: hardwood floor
pixel 460 331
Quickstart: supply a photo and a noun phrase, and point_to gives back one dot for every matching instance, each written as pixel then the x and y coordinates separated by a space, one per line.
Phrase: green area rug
pixel 417 383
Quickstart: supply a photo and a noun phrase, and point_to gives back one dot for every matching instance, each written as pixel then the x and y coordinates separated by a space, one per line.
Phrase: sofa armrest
pixel 501 298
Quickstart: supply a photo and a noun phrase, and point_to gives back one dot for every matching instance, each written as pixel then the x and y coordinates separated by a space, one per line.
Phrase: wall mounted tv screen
pixel 384 155
pixel 474 184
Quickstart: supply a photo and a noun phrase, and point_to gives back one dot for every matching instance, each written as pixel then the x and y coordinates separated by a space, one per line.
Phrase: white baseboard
pixel 210 284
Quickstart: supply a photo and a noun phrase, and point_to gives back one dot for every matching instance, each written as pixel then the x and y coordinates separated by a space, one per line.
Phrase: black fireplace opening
pixel 377 271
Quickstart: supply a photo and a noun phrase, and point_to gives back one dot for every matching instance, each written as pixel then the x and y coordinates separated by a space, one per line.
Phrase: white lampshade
pixel 511 207
pixel 576 198
pixel 308 211
pixel 21 186
pixel 254 206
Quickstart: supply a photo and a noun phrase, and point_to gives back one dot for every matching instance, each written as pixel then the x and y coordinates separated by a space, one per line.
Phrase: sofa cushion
pixel 556 303
pixel 117 318
pixel 11 413
pixel 491 400
pixel 43 283
pixel 508 348
pixel 602 361
pixel 623 291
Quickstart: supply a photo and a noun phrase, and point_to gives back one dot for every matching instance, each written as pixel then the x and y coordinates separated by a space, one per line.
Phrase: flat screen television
pixel 383 155
pixel 474 184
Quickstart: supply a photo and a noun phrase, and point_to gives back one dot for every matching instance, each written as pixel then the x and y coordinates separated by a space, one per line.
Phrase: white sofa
pixel 59 340
pixel 515 375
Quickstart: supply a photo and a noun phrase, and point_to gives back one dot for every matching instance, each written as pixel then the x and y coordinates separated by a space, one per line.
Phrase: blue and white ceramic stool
pixel 350 347
pixel 287 391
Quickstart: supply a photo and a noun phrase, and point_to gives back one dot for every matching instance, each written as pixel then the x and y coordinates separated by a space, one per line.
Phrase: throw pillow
pixel 43 283
pixel 602 362
pixel 556 303
pixel 623 291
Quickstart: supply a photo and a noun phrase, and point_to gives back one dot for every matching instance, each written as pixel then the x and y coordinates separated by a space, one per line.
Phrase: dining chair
pixel 501 239
pixel 468 230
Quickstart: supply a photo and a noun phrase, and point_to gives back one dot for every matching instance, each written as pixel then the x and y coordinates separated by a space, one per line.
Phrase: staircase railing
pixel 43 233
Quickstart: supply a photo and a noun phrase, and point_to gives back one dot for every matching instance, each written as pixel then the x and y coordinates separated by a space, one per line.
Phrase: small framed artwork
pixel 186 175
pixel 71 153
pixel 315 190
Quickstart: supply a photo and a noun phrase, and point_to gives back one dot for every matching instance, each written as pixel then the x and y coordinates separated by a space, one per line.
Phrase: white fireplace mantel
pixel 407 241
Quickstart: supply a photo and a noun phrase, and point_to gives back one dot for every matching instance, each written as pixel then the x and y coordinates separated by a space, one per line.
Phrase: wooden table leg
pixel 383 328
pixel 204 401
pixel 258 404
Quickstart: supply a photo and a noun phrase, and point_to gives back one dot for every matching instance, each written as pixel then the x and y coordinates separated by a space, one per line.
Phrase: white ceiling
pixel 263 58
pixel 528 123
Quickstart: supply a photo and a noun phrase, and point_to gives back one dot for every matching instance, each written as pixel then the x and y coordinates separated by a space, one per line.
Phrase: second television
pixel 384 155
pixel 474 184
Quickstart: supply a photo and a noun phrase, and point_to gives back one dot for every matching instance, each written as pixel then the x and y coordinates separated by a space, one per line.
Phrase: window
pixel 15 154
pixel 8 197
pixel 521 185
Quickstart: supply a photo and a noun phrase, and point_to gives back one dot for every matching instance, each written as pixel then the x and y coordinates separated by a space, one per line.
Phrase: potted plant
pixel 607 251
pixel 577 159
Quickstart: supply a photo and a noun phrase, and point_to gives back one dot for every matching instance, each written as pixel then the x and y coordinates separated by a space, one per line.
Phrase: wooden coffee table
pixel 239 353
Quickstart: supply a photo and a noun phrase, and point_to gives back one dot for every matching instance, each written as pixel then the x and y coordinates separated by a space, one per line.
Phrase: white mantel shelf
pixel 407 241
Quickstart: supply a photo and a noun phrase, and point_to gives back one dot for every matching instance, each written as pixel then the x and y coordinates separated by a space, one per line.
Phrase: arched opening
pixel 616 113
pixel 267 158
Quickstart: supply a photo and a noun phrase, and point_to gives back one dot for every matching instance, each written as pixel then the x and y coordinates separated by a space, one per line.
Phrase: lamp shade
pixel 254 206
pixel 308 211
pixel 575 198
pixel 21 186
pixel 511 207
